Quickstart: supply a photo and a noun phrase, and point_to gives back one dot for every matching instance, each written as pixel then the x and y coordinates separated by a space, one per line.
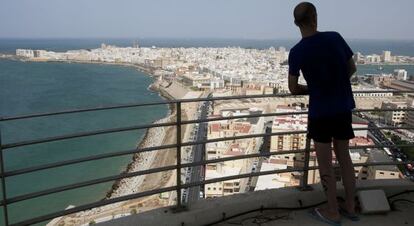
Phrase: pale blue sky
pixel 250 19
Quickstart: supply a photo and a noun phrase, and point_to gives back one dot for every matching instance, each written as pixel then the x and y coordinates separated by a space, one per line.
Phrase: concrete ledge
pixel 210 210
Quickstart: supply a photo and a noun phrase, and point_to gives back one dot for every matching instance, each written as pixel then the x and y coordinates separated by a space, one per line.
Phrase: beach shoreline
pixel 139 161
pixel 146 141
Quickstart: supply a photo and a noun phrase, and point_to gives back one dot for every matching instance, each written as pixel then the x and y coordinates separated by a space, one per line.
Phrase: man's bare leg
pixel 324 156
pixel 341 148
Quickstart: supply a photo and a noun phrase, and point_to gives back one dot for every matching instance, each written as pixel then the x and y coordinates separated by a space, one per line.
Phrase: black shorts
pixel 337 126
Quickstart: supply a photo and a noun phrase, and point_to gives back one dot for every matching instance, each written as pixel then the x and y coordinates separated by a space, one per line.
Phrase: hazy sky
pixel 251 19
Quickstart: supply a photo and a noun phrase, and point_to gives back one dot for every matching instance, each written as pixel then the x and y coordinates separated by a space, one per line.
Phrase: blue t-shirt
pixel 323 59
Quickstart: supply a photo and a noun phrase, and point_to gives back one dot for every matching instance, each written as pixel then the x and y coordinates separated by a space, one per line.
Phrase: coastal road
pixel 197 173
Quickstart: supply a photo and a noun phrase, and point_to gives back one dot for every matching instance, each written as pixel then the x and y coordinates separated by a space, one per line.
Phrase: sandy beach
pixel 141 161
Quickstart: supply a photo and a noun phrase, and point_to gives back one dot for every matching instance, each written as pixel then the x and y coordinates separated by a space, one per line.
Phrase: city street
pixel 198 152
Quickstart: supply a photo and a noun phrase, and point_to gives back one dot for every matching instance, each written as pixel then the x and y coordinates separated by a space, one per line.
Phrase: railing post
pixel 3 185
pixel 304 183
pixel 179 206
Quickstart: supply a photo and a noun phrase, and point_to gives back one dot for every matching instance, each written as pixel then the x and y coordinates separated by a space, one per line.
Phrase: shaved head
pixel 305 14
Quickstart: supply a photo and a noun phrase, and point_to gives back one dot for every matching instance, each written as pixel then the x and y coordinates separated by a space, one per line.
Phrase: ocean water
pixel 29 87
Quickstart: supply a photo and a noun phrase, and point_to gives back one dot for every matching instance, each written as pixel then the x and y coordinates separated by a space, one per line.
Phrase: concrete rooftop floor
pixel 402 215
pixel 205 212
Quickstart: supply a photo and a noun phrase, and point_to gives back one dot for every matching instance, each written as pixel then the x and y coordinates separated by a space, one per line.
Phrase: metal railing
pixel 178 145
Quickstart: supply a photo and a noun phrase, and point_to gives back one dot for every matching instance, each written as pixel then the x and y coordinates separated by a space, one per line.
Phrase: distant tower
pixel 386 56
pixel 283 54
pixel 358 57
pixel 135 44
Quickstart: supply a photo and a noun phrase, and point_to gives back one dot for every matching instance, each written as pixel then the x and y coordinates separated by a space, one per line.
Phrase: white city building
pixel 401 74
pixel 386 56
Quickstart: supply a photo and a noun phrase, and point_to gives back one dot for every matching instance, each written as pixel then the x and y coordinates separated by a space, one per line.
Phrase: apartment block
pixel 395 117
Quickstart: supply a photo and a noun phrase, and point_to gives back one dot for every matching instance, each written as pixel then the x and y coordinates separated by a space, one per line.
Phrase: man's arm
pixel 351 67
pixel 295 88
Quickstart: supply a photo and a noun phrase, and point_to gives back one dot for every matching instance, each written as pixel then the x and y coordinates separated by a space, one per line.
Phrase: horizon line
pixel 191 38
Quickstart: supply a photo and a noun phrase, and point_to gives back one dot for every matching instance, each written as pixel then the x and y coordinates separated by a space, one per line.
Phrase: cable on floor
pixel 261 209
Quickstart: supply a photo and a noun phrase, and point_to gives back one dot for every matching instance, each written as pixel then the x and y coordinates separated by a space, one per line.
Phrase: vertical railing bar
pixel 3 185
pixel 204 168
pixel 179 205
pixel 304 185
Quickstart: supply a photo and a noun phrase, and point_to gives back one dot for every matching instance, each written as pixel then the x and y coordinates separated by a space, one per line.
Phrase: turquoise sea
pixel 28 87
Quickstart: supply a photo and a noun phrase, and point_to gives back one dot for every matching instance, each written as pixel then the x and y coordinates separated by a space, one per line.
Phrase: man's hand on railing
pixel 295 88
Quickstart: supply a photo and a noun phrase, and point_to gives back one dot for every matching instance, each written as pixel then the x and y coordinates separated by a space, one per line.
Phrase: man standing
pixel 325 60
